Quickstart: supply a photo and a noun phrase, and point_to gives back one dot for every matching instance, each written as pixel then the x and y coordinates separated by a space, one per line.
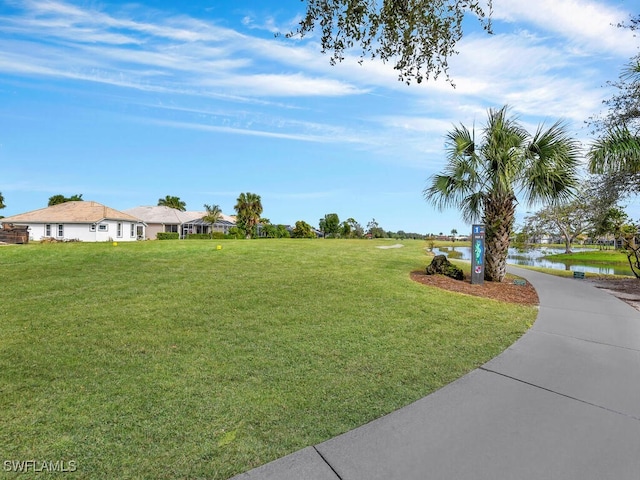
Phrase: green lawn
pixel 172 359
pixel 605 257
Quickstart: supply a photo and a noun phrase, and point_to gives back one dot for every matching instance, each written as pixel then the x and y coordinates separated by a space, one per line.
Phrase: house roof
pixel 221 221
pixel 71 212
pixel 160 214
pixel 170 216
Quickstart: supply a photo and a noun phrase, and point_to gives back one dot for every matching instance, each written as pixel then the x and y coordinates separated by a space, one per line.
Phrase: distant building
pixel 166 219
pixel 85 221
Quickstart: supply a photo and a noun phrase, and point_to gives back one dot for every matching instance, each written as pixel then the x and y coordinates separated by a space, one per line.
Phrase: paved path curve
pixel 563 402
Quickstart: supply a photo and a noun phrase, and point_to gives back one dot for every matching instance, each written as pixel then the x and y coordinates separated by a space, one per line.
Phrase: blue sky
pixel 126 103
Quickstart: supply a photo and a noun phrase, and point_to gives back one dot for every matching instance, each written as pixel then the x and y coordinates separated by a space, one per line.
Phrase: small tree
pixel 2 205
pixel 213 215
pixel 374 230
pixel 172 202
pixel 267 229
pixel 282 231
pixel 58 199
pixel 235 232
pixel 628 234
pixel 330 224
pixel 569 220
pixel 303 230
pixel 351 229
pixel 611 225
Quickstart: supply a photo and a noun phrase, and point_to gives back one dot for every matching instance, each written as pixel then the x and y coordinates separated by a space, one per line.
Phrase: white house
pixel 85 221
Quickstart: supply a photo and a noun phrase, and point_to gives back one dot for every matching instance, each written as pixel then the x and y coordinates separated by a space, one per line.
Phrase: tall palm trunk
pixel 498 217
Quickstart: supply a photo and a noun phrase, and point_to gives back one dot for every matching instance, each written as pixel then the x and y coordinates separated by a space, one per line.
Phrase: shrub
pixel 198 236
pixel 59 240
pixel 168 236
pixel 235 232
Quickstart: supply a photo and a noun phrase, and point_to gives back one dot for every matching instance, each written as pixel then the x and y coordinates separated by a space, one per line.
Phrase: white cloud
pixel 249 129
pixel 421 125
pixel 284 85
pixel 155 56
pixel 589 24
pixel 186 57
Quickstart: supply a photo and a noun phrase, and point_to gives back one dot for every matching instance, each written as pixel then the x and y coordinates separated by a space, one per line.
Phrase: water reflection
pixel 533 258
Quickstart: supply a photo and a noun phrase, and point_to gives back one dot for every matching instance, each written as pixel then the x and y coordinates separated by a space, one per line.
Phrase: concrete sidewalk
pixel 563 402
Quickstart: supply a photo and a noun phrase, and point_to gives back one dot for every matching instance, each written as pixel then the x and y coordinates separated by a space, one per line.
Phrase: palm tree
pixel 172 202
pixel 2 205
pixel 617 151
pixel 482 178
pixel 213 215
pixel 248 209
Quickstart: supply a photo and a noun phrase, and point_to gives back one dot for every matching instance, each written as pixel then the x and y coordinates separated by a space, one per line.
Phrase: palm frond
pixel 631 71
pixel 617 151
pixel 459 179
pixel 472 207
pixel 460 142
pixel 502 150
pixel 552 159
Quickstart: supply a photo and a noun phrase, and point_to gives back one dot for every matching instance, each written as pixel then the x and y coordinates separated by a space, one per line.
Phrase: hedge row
pixel 167 235
pixel 191 236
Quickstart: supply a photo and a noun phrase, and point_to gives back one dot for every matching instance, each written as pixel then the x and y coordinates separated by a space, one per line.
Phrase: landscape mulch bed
pixel 626 289
pixel 505 291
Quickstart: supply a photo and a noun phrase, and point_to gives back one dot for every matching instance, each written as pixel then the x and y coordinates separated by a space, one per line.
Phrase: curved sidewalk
pixel 563 402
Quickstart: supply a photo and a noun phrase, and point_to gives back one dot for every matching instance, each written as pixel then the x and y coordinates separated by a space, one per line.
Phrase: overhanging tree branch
pixel 417 36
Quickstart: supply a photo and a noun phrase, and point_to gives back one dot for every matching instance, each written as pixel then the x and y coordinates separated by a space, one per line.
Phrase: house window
pixel 133 231
pixel 171 228
pixel 119 230
pixel 47 230
pixel 92 228
pixel 60 230
pixel 103 227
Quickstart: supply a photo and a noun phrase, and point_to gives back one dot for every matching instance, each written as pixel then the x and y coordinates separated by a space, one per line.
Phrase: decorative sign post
pixel 477 255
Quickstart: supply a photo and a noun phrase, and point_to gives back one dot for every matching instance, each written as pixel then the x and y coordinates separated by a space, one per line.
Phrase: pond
pixel 534 258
